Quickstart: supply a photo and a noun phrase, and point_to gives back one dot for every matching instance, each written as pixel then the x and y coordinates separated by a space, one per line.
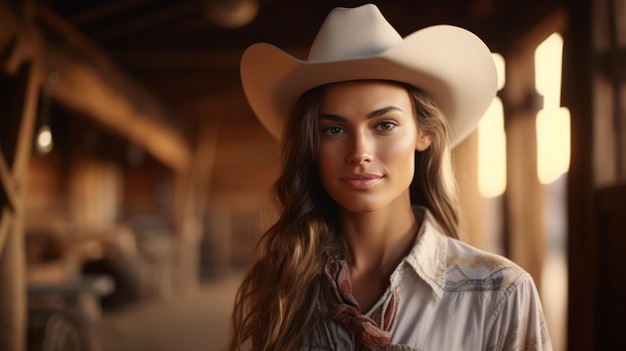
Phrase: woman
pixel 364 255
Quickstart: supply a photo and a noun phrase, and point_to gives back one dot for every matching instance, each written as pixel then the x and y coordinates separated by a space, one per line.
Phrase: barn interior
pixel 133 171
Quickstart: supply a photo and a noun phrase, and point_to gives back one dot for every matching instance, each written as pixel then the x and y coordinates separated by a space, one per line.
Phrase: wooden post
pixel 190 205
pixel 466 167
pixel 12 288
pixel 107 95
pixel 19 87
pixel 13 306
pixel 187 224
pixel 524 235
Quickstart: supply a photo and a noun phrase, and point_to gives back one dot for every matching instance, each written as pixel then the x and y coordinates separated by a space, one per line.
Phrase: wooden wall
pixel 594 86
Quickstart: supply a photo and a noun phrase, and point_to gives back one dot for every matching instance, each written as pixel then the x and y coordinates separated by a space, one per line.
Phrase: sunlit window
pixel 553 121
pixel 553 157
pixel 492 143
pixel 492 151
pixel 553 143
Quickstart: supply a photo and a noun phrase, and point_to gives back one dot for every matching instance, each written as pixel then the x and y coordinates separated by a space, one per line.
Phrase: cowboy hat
pixel 452 65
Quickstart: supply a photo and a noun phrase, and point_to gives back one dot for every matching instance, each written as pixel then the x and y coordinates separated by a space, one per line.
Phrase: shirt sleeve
pixel 518 322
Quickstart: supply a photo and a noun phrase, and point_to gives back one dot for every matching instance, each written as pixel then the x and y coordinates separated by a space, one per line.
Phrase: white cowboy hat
pixel 452 65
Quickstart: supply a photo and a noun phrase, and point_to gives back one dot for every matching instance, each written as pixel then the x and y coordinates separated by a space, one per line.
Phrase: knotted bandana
pixel 371 333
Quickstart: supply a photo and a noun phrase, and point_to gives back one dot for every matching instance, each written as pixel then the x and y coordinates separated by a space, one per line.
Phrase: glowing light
pixel 44 140
pixel 553 121
pixel 232 13
pixel 500 68
pixel 548 66
pixel 492 142
pixel 492 151
pixel 553 143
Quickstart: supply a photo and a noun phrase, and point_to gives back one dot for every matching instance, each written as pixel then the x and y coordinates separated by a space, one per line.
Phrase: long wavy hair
pixel 279 300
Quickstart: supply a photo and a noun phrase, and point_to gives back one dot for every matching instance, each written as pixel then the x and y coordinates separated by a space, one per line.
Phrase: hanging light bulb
pixel 45 143
pixel 43 140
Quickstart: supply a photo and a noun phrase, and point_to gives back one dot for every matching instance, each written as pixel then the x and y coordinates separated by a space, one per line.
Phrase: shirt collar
pixel 428 255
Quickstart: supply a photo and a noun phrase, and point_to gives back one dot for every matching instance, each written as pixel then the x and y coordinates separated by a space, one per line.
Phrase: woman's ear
pixel 423 140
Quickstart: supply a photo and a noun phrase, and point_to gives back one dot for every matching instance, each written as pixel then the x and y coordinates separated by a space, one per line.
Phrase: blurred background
pixel 135 180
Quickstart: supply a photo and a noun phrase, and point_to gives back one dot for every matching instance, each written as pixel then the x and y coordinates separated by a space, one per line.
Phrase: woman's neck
pixel 378 240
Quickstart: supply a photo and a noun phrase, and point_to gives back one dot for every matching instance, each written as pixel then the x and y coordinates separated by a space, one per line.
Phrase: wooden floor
pixel 199 322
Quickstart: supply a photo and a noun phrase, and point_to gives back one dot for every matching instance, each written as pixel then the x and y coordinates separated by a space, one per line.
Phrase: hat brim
pixel 450 64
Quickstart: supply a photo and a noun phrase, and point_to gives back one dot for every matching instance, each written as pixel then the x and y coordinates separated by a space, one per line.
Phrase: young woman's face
pixel 368 137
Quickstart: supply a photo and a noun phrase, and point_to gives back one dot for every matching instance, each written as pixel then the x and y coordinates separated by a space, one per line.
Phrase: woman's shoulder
pixel 451 265
pixel 470 269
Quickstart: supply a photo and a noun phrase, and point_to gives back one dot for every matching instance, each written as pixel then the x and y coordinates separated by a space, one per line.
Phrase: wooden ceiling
pixel 189 61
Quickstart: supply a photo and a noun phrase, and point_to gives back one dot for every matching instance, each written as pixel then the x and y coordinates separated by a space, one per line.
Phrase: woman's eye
pixel 385 126
pixel 332 130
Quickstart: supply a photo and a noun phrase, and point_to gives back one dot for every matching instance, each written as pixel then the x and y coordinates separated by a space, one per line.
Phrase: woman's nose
pixel 360 149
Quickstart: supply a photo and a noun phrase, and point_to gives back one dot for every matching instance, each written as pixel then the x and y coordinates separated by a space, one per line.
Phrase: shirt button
pixel 398 289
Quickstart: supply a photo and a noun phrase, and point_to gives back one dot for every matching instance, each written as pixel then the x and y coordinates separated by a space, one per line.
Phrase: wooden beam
pixel 204 161
pixel 7 185
pixel 8 28
pixel 92 85
pixel 582 238
pixel 24 142
pixel 72 37
pixel 102 10
pixel 13 304
pixel 104 97
pixel 149 19
pixel 5 225
pixel 96 88
pixel 18 41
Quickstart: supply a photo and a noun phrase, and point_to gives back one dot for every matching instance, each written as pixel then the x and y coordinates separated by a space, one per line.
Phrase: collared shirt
pixel 451 296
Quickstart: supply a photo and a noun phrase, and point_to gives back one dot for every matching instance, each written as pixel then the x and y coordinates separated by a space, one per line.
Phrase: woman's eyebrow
pixel 332 117
pixel 373 114
pixel 383 111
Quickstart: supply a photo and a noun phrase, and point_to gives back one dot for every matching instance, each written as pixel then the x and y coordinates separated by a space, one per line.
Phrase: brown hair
pixel 434 186
pixel 280 298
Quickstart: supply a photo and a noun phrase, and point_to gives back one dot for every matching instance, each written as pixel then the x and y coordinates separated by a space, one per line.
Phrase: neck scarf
pixel 370 333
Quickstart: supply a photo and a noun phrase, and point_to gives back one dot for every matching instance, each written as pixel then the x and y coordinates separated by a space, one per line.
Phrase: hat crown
pixel 351 33
pixel 450 64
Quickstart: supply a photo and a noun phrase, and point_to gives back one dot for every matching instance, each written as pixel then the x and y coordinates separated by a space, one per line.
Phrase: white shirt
pixel 452 296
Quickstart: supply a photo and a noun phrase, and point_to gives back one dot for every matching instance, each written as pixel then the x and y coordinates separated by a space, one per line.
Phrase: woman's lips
pixel 361 180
